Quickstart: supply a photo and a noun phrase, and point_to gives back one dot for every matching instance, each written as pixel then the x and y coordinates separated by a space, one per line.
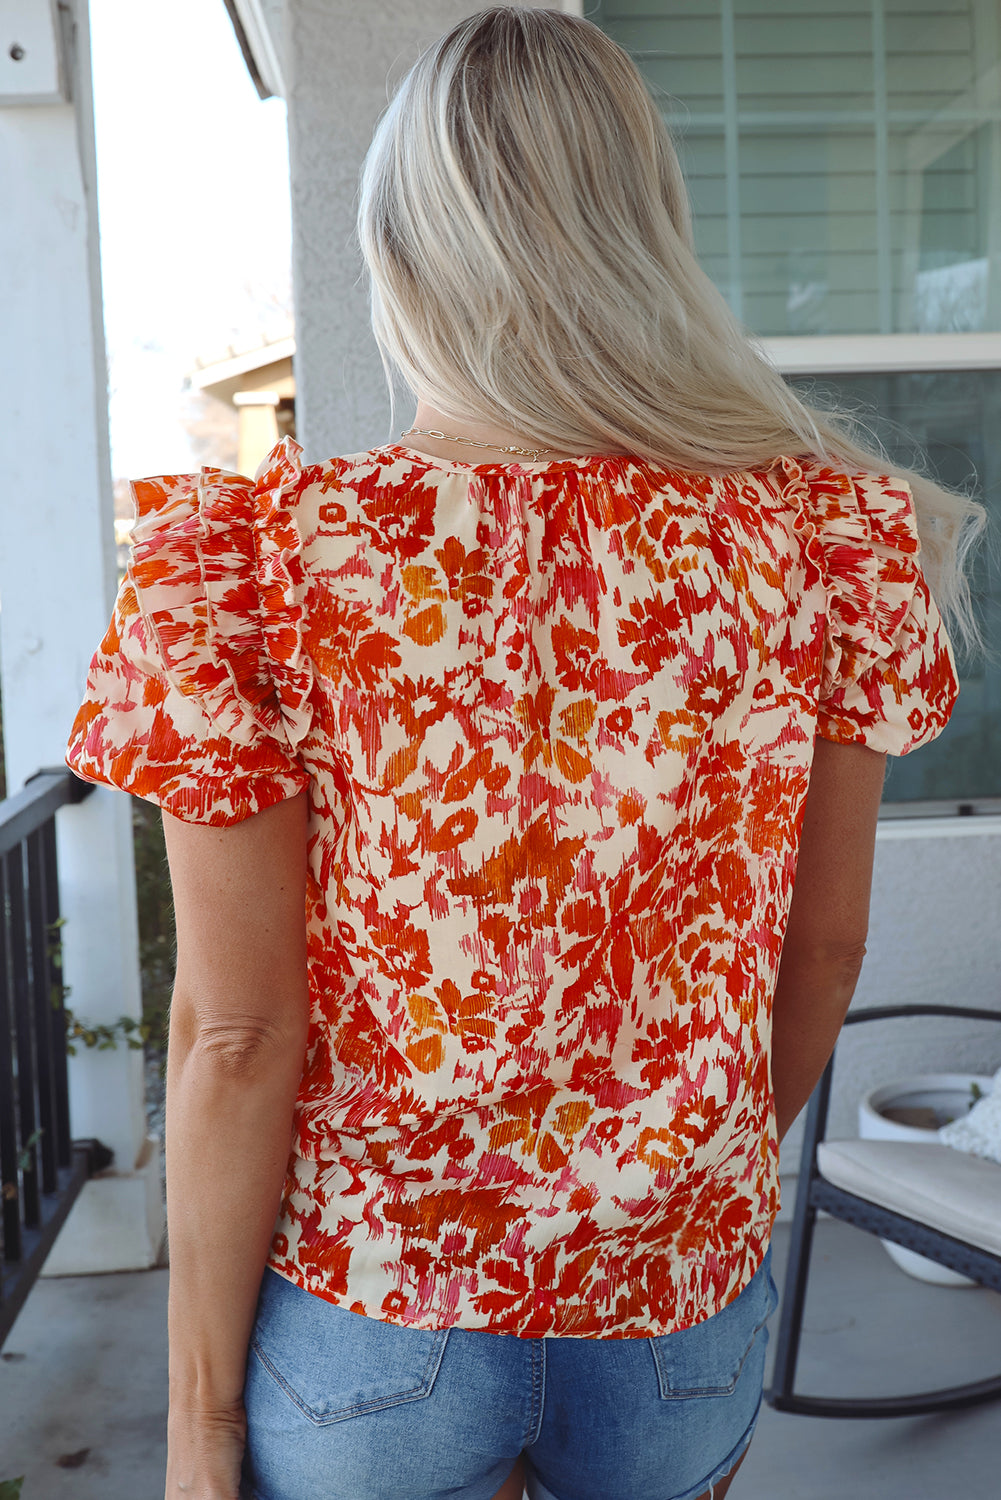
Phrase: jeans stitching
pixel 726 1465
pixel 360 1408
pixel 538 1391
pixel 672 1393
pixel 675 1392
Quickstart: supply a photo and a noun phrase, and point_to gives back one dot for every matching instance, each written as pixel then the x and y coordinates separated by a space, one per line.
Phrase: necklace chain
pixel 533 453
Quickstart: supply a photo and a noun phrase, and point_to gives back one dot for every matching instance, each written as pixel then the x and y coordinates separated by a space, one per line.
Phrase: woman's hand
pixel 205 1452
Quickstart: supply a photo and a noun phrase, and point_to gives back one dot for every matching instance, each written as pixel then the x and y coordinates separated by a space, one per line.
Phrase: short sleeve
pixel 889 676
pixel 197 698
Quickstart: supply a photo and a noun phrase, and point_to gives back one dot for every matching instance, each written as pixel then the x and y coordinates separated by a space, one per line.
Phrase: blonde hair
pixel 528 238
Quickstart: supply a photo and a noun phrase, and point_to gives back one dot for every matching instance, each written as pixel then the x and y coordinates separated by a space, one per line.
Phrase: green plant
pixel 157 937
pixel 106 1037
pixel 10 1488
pixel 103 1035
pixel 157 951
pixel 25 1160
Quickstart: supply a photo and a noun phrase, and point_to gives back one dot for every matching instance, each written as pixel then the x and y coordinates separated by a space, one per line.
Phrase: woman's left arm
pixel 238 1023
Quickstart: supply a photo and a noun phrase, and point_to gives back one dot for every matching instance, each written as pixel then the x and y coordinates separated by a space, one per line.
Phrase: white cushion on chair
pixel 946 1189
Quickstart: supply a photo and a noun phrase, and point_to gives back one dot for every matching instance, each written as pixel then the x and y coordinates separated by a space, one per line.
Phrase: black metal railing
pixel 41 1168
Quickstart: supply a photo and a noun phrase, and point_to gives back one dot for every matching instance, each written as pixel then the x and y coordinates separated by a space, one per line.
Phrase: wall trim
pixel 988 826
pixel 832 354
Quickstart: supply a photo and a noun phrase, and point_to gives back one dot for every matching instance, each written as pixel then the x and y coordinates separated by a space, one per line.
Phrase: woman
pixel 535 714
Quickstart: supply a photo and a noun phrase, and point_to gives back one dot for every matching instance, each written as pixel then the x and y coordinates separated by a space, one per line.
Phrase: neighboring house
pixel 124 521
pixel 260 383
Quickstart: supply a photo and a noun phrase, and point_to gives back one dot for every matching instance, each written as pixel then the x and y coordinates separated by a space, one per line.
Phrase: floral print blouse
pixel 555 723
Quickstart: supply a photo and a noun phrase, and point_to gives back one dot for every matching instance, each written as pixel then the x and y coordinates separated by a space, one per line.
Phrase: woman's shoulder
pixel 869 504
pixel 283 468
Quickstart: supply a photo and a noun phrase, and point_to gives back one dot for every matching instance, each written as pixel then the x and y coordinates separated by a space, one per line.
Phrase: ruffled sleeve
pixel 889 677
pixel 197 698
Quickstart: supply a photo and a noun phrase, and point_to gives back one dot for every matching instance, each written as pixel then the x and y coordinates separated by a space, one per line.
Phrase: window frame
pixel 880 353
pixel 886 353
pixel 973 807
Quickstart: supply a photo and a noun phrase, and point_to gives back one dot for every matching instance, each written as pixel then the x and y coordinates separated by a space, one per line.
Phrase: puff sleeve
pixel 889 676
pixel 197 697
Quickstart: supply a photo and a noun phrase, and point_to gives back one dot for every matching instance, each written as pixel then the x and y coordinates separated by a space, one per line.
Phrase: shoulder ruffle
pixel 282 583
pixel 217 572
pixel 860 532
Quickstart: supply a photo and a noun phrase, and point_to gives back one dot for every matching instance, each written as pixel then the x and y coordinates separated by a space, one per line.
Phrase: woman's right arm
pixel 828 920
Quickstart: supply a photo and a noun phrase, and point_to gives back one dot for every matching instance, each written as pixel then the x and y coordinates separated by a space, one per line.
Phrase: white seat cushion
pixel 946 1189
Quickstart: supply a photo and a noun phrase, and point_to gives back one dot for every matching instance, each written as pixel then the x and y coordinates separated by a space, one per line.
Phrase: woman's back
pixel 558 721
pixel 531 746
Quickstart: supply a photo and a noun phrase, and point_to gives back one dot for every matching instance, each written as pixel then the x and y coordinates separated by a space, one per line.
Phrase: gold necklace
pixel 533 453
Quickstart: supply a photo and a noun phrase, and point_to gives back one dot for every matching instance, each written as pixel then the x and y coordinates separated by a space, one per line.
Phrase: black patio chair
pixel 888 1188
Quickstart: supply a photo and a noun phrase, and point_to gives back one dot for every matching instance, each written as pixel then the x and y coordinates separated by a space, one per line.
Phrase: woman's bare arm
pixel 828 921
pixel 237 1040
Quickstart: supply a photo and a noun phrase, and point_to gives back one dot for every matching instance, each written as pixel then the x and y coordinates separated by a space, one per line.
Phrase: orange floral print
pixel 556 724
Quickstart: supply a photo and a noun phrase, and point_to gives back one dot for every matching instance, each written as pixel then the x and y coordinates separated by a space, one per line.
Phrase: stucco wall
pixel 934 937
pixel 342 62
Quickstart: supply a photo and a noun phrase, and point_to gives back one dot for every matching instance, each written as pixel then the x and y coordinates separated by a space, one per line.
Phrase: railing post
pixel 10 1188
pixel 34 1117
pixel 23 1040
pixel 47 1044
pixel 64 1153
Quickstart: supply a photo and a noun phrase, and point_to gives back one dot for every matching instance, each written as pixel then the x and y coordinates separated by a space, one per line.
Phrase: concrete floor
pixel 82 1387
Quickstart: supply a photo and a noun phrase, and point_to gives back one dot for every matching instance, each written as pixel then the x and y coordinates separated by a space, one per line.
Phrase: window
pixel 844 165
pixel 954 416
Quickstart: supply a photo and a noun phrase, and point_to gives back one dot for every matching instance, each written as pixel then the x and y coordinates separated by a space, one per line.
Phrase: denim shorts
pixel 346 1407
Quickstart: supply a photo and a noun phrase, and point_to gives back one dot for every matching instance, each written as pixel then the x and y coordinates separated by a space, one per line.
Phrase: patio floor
pixel 82 1386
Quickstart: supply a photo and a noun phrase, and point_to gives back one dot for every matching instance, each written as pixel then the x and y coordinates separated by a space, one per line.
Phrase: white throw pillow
pixel 978 1131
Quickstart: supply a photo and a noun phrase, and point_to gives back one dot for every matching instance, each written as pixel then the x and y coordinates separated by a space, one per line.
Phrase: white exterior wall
pixel 934 938
pixel 935 932
pixel 57 590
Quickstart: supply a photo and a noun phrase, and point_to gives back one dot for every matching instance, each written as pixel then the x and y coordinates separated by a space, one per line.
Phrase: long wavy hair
pixel 527 233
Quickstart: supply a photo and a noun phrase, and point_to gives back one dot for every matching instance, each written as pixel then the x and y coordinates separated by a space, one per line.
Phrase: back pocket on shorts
pixel 334 1364
pixel 706 1360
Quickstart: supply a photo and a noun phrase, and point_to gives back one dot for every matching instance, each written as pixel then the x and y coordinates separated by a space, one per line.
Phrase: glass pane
pixel 795 61
pixel 682 61
pixel 945 187
pixel 954 416
pixel 703 161
pixel 808 231
pixel 844 161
